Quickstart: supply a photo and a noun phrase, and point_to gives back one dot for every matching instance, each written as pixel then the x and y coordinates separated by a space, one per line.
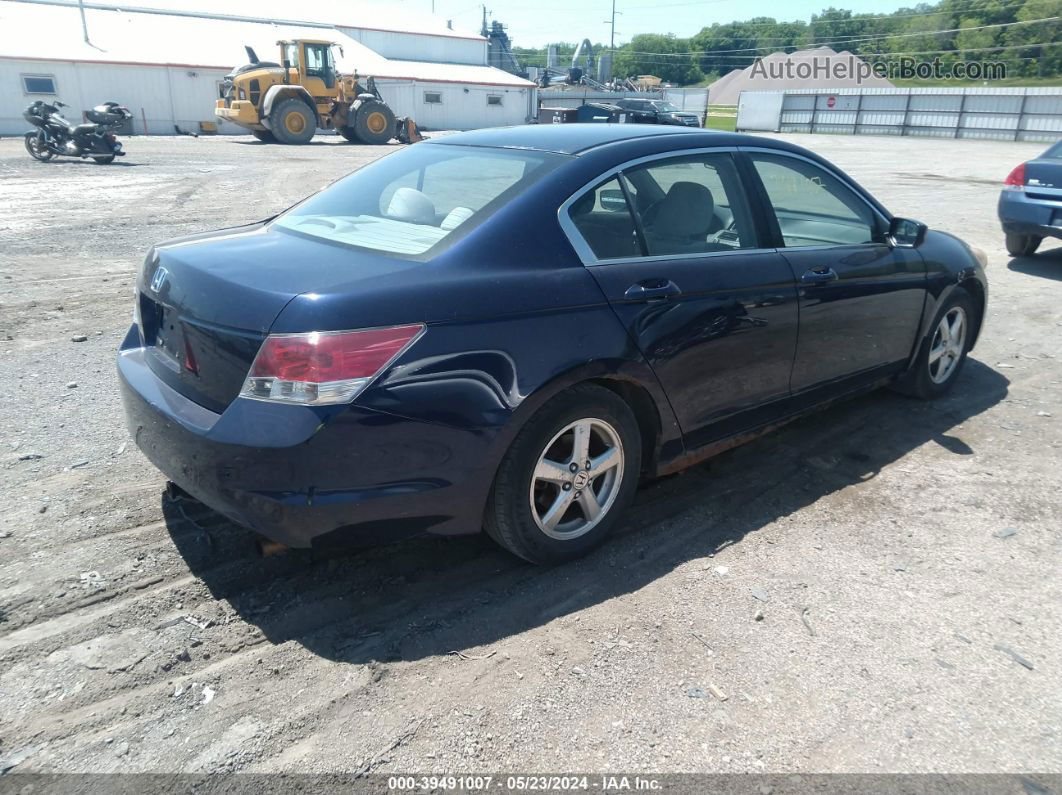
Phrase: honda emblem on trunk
pixel 159 279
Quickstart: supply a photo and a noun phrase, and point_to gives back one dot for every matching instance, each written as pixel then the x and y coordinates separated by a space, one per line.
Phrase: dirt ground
pixel 872 589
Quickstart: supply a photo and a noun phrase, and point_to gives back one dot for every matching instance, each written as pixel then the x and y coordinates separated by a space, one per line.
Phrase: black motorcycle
pixel 57 136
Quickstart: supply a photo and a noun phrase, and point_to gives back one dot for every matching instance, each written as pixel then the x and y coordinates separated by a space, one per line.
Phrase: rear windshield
pixel 1055 152
pixel 413 201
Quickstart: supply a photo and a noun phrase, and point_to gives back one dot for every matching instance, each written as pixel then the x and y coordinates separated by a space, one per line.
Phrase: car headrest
pixel 455 218
pixel 686 211
pixel 409 204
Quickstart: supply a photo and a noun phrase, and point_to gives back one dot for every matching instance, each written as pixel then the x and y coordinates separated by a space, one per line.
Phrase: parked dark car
pixel 509 328
pixel 1030 204
pixel 657 111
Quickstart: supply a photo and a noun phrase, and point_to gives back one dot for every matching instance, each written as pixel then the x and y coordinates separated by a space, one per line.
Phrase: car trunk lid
pixel 207 302
pixel 1043 179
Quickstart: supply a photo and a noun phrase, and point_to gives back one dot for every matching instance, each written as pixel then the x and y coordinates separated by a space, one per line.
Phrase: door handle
pixel 819 276
pixel 652 290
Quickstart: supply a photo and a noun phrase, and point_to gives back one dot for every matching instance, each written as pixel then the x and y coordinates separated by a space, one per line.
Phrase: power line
pixel 855 40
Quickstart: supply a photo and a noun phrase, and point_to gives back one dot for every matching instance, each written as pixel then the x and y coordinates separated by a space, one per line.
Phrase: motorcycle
pixel 57 136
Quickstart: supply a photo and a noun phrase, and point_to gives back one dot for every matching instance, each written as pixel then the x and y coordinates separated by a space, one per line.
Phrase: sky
pixel 533 23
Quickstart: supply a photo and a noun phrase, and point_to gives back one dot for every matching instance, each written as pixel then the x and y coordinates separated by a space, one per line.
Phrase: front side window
pixel 812 206
pixel 410 202
pixel 692 205
pixel 291 53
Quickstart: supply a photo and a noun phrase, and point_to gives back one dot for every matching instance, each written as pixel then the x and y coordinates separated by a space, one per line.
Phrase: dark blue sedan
pixel 1030 204
pixel 508 329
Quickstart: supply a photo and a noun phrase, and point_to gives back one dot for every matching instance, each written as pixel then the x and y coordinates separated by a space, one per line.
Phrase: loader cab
pixel 313 63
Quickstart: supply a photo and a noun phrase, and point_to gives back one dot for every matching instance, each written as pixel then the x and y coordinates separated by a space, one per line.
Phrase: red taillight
pixel 324 366
pixel 1016 178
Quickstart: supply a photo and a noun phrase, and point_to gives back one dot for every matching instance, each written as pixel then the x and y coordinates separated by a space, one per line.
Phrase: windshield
pixel 410 202
pixel 665 107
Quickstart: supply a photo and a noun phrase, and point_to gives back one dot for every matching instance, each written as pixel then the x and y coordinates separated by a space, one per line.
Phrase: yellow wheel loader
pixel 288 101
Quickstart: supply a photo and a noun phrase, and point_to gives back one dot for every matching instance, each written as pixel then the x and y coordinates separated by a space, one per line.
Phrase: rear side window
pixel 813 207
pixel 692 205
pixel 412 201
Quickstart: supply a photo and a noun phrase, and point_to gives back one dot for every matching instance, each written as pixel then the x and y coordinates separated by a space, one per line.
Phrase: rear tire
pixel 1022 245
pixel 350 134
pixel 943 352
pixel 265 136
pixel 104 160
pixel 374 122
pixel 541 510
pixel 293 122
pixel 37 148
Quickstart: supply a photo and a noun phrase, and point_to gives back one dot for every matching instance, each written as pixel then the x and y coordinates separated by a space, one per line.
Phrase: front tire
pixel 293 122
pixel 265 136
pixel 104 160
pixel 350 134
pixel 374 122
pixel 567 478
pixel 943 351
pixel 1022 245
pixel 36 147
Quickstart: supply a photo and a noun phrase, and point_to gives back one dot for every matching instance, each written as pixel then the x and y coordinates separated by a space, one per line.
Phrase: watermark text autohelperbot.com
pixel 899 68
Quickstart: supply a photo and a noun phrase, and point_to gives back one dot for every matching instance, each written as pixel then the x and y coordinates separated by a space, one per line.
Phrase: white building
pixel 166 65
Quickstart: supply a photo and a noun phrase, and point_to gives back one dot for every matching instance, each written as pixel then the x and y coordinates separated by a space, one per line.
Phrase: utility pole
pixel 612 35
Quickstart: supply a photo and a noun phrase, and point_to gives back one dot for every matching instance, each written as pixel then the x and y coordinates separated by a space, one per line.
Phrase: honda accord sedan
pixel 508 329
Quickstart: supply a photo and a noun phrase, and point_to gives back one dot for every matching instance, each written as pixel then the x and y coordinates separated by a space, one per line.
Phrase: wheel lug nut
pixel 574 467
pixel 567 487
pixel 578 494
pixel 587 466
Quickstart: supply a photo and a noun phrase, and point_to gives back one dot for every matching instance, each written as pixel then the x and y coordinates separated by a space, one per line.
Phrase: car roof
pixel 571 139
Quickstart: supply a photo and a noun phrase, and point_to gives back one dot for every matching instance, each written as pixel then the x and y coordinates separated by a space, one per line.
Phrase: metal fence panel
pixel 1021 114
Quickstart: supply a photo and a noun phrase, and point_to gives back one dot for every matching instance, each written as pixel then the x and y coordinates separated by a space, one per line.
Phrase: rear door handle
pixel 652 290
pixel 819 276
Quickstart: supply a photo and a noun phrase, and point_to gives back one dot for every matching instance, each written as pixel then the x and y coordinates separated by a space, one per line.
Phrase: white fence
pixel 1013 114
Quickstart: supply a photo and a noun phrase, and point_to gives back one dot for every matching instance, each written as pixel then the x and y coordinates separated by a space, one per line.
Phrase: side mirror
pixel 905 233
pixel 613 201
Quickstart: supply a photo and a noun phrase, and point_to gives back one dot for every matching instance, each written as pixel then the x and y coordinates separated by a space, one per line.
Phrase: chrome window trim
pixel 582 248
pixel 589 259
pixel 856 191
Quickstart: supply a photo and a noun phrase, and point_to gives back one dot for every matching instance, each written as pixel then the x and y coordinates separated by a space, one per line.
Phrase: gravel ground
pixel 872 589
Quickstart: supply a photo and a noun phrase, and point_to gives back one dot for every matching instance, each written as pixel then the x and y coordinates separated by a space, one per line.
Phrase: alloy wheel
pixel 949 341
pixel 577 478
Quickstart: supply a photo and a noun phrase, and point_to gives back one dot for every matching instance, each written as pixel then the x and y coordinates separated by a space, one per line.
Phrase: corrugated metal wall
pixel 421 47
pixel 161 95
pixel 461 107
pixel 1015 114
pixel 164 96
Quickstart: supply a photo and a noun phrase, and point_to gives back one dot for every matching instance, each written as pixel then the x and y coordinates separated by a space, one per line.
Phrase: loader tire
pixel 374 122
pixel 293 122
pixel 350 134
pixel 265 136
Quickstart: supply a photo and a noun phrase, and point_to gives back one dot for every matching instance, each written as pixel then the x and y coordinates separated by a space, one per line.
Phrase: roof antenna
pixel 84 25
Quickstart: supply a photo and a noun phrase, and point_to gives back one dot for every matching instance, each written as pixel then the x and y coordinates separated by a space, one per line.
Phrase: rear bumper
pixel 1022 214
pixel 304 476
